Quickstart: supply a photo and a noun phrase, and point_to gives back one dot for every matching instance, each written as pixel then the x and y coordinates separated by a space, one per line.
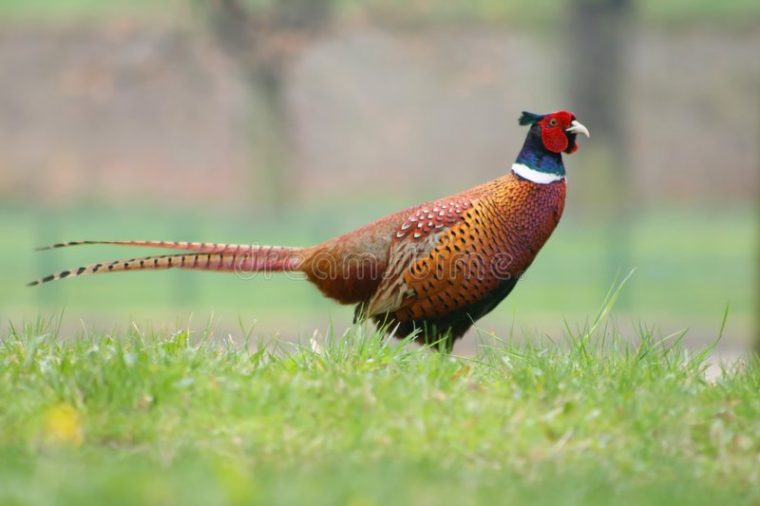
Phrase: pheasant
pixel 431 269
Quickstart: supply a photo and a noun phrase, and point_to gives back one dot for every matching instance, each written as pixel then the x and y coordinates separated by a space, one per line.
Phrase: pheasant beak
pixel 576 127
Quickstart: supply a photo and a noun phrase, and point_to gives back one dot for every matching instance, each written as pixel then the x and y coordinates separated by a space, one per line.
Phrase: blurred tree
pixel 757 248
pixel 264 37
pixel 598 31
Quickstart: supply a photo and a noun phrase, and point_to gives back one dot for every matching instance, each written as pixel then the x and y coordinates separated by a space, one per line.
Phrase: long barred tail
pixel 201 256
pixel 198 247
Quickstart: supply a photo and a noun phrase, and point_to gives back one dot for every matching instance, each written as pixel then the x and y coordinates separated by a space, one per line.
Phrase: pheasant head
pixel 549 136
pixel 557 130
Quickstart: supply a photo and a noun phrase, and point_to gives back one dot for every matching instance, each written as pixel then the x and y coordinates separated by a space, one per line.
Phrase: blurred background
pixel 290 121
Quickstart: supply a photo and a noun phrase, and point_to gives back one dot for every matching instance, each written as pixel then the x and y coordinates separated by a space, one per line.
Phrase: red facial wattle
pixel 554 138
pixel 554 135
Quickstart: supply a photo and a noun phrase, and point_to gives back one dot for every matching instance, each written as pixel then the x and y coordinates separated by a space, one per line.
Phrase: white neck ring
pixel 534 175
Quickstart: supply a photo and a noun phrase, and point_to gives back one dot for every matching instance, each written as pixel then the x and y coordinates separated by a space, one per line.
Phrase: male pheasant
pixel 434 268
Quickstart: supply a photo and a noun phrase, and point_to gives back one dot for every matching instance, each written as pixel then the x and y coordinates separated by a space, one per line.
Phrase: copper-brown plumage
pixel 433 268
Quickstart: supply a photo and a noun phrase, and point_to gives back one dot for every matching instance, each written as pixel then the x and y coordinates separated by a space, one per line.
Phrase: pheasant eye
pixel 553 122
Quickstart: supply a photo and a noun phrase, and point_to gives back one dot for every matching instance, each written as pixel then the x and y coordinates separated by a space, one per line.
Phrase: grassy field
pixel 186 418
pixel 171 416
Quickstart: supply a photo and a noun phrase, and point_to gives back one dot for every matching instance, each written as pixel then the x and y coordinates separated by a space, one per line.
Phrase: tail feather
pixel 232 258
pixel 198 247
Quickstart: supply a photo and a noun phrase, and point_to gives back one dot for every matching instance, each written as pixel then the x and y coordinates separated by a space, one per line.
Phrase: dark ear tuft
pixel 528 118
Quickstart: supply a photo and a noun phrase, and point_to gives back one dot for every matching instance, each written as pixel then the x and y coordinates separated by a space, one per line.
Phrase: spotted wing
pixel 469 261
pixel 415 239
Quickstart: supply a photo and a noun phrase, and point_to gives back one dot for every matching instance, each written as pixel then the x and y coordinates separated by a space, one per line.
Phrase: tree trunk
pixel 270 141
pixel 264 38
pixel 756 344
pixel 597 57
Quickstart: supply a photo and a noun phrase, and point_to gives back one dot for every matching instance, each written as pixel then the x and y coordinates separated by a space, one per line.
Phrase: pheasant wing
pixel 415 239
pixel 448 268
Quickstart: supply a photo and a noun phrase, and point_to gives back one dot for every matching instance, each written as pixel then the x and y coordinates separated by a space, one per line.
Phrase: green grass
pixel 539 13
pixel 138 417
pixel 83 10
